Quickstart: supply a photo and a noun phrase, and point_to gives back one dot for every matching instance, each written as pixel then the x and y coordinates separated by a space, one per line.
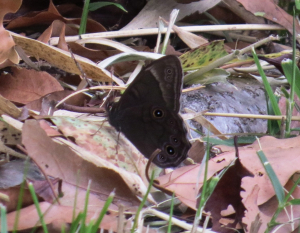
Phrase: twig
pixel 266 117
pixel 153 31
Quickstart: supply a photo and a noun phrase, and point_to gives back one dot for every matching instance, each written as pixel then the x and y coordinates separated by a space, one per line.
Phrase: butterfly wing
pixel 159 81
pixel 147 113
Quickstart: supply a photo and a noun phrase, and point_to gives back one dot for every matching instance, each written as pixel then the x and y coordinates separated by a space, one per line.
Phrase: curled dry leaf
pixel 192 40
pixel 7 51
pixel 54 30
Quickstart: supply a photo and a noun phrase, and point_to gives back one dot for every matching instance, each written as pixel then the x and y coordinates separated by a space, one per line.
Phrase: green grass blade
pixel 96 5
pixel 75 199
pixel 103 212
pixel 21 195
pixel 297 4
pixel 142 204
pixel 75 223
pixel 84 16
pixel 273 177
pixel 293 60
pixel 292 190
pixel 267 87
pixel 171 214
pixel 287 66
pixel 290 101
pixel 89 227
pixel 3 218
pixel 84 213
pixel 37 206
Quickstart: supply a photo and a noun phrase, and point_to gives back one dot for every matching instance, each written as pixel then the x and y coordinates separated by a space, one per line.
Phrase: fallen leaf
pixel 59 161
pixel 271 11
pixel 7 51
pixel 101 139
pixel 23 85
pixel 61 59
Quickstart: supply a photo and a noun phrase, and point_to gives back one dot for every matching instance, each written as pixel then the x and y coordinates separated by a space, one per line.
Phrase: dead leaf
pixel 186 181
pixel 61 59
pixel 8 108
pixel 227 194
pixel 9 135
pixel 47 17
pixel 7 51
pixel 23 86
pixel 271 11
pixel 54 213
pixel 59 161
pixel 147 18
pixel 102 139
pixel 38 105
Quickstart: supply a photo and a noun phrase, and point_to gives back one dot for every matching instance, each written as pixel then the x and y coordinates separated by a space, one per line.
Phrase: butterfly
pixel 147 112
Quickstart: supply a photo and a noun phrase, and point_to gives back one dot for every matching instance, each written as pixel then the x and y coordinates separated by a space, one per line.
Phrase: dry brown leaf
pixel 39 104
pixel 271 11
pixel 23 86
pixel 102 139
pixel 207 124
pixel 9 135
pixel 61 59
pixel 54 30
pixel 186 181
pixel 62 44
pixel 59 161
pixel 8 108
pixel 237 185
pixel 51 132
pixel 147 18
pixel 13 194
pixel 7 51
pixel 55 213
pixel 47 17
pixel 190 39
pixel 266 211
pixel 226 200
pixel 283 156
pixel 12 174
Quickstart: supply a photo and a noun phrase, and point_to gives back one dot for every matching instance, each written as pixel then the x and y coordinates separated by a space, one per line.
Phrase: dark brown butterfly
pixel 147 112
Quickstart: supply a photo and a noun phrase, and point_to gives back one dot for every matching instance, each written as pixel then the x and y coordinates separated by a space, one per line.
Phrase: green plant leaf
pixel 83 21
pixel 267 87
pixel 96 5
pixel 203 55
pixel 273 177
pixel 294 202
